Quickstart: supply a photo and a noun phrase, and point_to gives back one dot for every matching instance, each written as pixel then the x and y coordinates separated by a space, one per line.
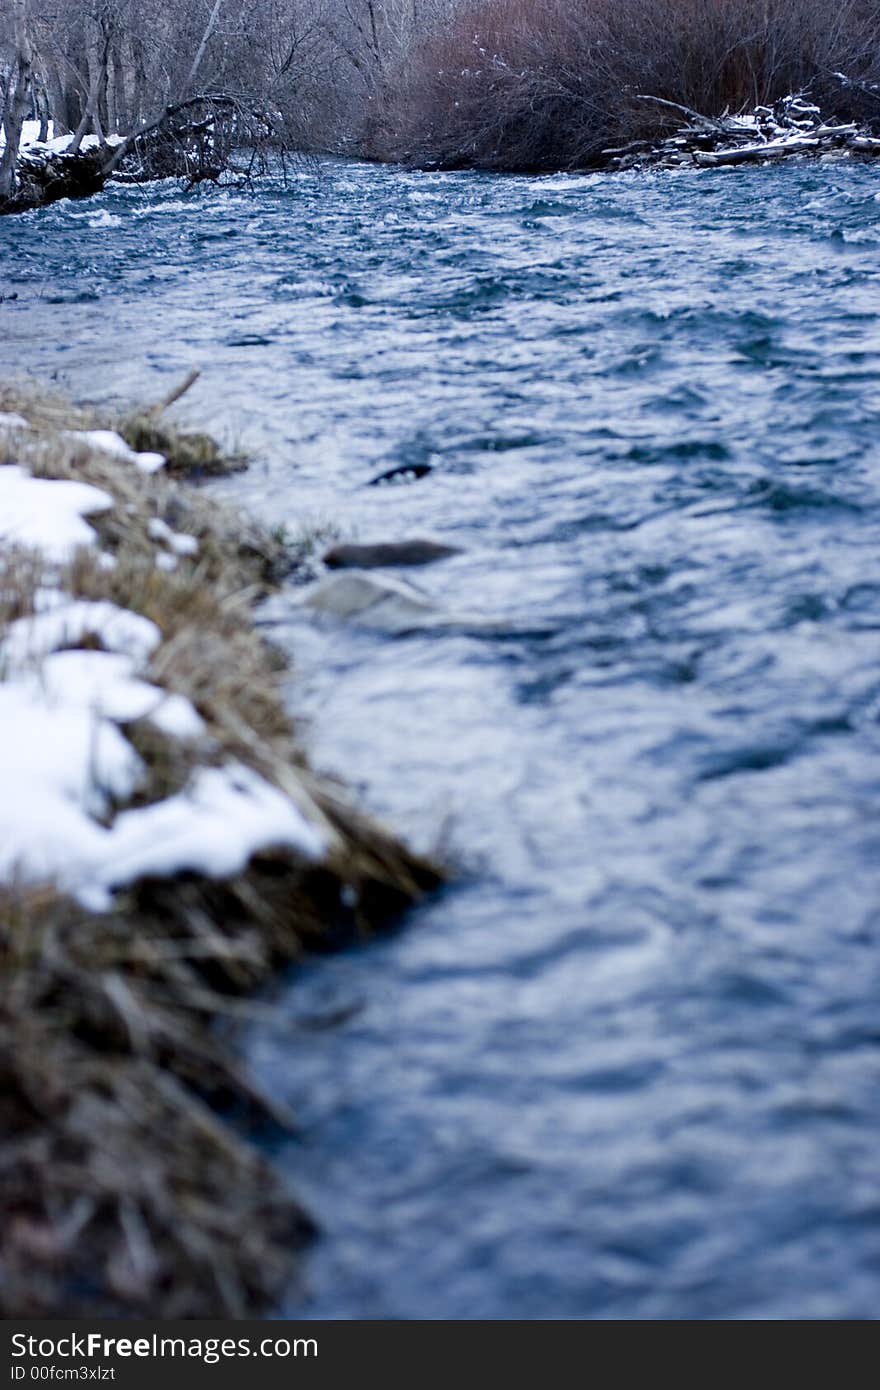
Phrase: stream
pixel 627 1065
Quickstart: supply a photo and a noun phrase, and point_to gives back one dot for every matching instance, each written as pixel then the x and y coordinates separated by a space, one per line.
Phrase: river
pixel 628 1064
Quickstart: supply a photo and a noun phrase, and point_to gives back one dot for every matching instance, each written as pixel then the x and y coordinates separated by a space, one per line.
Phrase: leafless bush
pixel 518 85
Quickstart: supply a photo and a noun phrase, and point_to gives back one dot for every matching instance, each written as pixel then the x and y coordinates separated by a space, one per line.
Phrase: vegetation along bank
pixel 219 92
pixel 164 849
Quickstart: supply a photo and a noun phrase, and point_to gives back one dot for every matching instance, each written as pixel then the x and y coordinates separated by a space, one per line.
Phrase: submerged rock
pixel 403 473
pixel 415 552
pixel 385 603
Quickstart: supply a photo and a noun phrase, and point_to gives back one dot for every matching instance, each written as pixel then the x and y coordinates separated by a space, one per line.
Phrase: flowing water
pixel 627 1065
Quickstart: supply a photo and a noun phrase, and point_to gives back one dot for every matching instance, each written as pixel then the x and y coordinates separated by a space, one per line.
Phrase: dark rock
pixel 364 557
pixel 404 473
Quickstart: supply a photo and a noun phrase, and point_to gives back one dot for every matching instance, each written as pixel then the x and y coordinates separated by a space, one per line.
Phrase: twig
pixel 683 110
pixel 180 390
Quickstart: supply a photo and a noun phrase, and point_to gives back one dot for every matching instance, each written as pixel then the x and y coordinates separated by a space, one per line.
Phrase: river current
pixel 628 1064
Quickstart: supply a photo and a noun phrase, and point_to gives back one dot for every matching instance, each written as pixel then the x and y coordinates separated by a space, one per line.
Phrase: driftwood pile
pixel 792 126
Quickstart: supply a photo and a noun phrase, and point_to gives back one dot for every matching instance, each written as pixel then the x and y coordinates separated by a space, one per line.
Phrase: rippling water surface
pixel 628 1064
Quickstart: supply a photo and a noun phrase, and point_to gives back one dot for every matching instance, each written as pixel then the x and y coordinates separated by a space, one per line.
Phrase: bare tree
pixel 17 95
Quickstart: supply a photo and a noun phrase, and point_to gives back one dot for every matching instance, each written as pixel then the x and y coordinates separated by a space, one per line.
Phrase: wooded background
pixel 523 84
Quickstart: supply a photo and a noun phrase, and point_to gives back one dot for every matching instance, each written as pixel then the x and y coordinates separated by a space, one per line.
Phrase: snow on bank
pixel 111 443
pixel 224 817
pixel 65 763
pixel 62 624
pixel 30 142
pixel 48 516
pixel 30 134
pixel 71 680
pixel 61 143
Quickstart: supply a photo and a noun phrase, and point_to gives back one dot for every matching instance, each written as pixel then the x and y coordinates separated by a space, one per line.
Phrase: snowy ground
pixel 30 140
pixel 73 676
pixel 30 133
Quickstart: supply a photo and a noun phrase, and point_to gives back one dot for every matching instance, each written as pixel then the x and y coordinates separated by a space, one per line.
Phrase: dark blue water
pixel 629 1064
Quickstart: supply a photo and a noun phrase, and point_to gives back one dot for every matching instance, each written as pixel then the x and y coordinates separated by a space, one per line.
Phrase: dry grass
pixel 188 452
pixel 123 1187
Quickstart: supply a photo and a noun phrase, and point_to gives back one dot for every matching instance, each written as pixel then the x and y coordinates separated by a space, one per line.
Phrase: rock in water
pixel 404 473
pixel 383 603
pixel 365 557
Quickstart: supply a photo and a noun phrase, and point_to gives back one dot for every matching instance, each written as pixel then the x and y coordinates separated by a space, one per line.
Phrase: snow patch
pixel 47 514
pixel 214 827
pixel 176 541
pixel 106 683
pixel 149 462
pixel 65 764
pixel 31 144
pixel 111 443
pixel 60 767
pixel 69 624
pixel 30 134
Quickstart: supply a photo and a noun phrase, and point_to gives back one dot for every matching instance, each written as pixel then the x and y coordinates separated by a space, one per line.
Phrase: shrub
pixel 508 84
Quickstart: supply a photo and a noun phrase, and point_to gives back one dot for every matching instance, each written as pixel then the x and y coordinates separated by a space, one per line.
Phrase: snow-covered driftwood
pixel 792 126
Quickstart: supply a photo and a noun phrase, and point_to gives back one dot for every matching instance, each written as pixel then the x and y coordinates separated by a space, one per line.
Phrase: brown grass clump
pixel 122 1188
pixel 125 1185
pixel 188 452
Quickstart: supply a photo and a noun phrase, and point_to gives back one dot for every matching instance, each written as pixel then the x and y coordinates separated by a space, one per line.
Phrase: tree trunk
pixel 76 76
pixel 200 52
pixel 91 117
pixel 139 85
pixel 117 100
pixel 43 107
pixel 18 98
pixel 57 99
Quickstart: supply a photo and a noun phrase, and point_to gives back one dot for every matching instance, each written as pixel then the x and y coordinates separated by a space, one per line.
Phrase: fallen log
pixel 44 176
pixel 194 139
pixel 748 154
pixel 708 121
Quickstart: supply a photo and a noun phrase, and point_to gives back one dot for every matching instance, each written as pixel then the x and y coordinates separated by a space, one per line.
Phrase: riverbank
pixel 516 88
pixel 165 850
pixel 197 140
pixel 793 127
pixel 662 134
